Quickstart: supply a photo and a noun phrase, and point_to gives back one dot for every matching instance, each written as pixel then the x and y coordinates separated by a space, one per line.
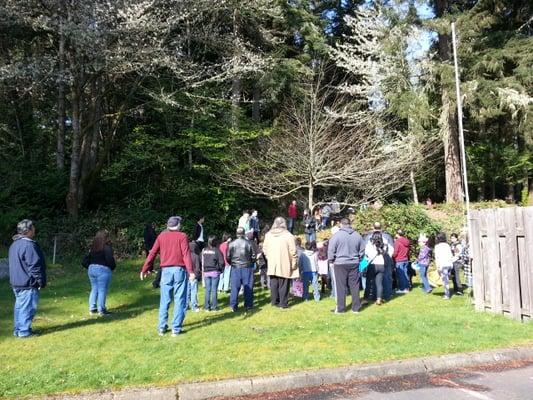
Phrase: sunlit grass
pixel 76 352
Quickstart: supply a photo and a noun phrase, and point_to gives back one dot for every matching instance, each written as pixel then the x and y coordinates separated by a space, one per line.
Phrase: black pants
pixel 457 285
pixel 157 280
pixel 379 275
pixel 370 287
pixel 279 291
pixel 264 279
pixel 347 276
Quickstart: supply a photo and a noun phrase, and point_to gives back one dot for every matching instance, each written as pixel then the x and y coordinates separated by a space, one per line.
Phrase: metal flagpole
pixel 462 141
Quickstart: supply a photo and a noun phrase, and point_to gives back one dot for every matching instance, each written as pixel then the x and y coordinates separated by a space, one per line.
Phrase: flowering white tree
pixel 90 49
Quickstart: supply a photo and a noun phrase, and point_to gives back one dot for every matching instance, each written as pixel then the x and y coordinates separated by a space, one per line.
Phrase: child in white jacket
pixel 444 260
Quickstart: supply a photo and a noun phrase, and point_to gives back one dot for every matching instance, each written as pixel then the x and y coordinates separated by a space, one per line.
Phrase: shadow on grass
pixel 70 284
pixel 143 304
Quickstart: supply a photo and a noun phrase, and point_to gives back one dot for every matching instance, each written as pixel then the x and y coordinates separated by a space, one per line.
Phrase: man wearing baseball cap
pixel 27 275
pixel 176 267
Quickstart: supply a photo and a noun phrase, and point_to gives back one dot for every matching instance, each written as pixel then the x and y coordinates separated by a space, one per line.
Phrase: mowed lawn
pixel 76 352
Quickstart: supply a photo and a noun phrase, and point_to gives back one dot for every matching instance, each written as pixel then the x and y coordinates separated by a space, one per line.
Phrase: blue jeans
pixel 290 224
pixel 310 237
pixel 424 277
pixel 401 275
pixel 210 299
pixel 174 283
pixel 242 276
pixel 313 278
pixel 100 277
pixel 224 281
pixel 192 294
pixel 26 301
pixel 325 221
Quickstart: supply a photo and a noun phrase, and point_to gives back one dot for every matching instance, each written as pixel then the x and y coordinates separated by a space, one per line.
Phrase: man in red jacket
pixel 401 257
pixel 293 214
pixel 176 267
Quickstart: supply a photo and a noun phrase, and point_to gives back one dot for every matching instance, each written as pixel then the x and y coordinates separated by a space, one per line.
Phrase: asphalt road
pixel 509 381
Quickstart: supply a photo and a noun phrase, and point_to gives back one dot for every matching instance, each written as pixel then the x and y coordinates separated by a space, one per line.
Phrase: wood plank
pixel 482 219
pixel 528 273
pixel 523 268
pixel 502 228
pixel 493 262
pixel 512 268
pixel 477 263
pixel 485 245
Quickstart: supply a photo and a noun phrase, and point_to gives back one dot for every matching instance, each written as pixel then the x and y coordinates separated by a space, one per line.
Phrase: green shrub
pixel 411 218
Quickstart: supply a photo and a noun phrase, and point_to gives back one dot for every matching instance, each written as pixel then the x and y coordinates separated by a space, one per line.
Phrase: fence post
pixel 55 248
pixel 528 276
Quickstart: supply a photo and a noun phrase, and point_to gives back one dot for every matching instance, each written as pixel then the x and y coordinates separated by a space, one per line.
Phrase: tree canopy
pixel 151 106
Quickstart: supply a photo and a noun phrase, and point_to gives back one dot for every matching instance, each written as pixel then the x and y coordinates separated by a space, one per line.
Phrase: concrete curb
pixel 295 380
pixel 240 387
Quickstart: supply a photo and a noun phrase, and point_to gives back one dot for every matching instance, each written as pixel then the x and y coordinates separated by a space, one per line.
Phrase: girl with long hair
pixel 100 263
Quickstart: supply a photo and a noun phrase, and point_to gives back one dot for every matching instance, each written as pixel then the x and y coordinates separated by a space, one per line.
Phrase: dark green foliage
pixel 166 155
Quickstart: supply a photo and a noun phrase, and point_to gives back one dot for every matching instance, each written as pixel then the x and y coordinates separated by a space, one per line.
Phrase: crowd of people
pixel 341 265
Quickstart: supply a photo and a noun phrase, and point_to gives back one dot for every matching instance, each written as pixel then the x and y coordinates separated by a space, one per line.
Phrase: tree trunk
pixel 530 192
pixel 448 120
pixel 310 197
pixel 189 151
pixel 452 160
pixel 481 191
pixel 74 176
pixel 60 151
pixel 236 81
pixel 18 123
pixel 413 185
pixel 510 196
pixel 89 152
pixel 256 105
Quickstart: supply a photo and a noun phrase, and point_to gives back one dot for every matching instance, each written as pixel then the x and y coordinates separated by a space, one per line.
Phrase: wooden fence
pixel 502 246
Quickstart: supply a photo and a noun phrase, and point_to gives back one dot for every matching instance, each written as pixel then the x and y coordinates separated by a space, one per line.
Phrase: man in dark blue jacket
pixel 345 250
pixel 27 275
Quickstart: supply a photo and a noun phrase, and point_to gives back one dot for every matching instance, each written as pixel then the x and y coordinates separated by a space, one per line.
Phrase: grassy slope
pixel 77 352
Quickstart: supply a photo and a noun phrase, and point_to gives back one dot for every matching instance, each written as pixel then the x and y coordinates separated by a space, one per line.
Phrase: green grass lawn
pixel 76 352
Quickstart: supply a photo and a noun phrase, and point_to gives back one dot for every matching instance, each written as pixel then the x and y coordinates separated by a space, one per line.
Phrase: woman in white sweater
pixel 376 251
pixel 444 261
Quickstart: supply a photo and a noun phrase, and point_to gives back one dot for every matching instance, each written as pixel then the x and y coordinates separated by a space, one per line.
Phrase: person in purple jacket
pixel 423 262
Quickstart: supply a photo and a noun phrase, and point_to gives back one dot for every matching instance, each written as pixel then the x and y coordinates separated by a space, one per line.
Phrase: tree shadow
pixel 123 312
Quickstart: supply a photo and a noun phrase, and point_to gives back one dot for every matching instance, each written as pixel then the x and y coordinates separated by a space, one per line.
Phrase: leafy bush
pixel 412 219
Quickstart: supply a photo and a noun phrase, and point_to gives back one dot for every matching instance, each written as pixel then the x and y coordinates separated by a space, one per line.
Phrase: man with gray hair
pixel 241 255
pixel 279 248
pixel 345 250
pixel 176 270
pixel 27 275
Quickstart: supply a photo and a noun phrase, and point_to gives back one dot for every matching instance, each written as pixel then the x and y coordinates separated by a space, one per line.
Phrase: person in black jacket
pixel 27 276
pixel 310 227
pixel 241 255
pixel 100 263
pixel 213 266
pixel 192 287
pixel 150 235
